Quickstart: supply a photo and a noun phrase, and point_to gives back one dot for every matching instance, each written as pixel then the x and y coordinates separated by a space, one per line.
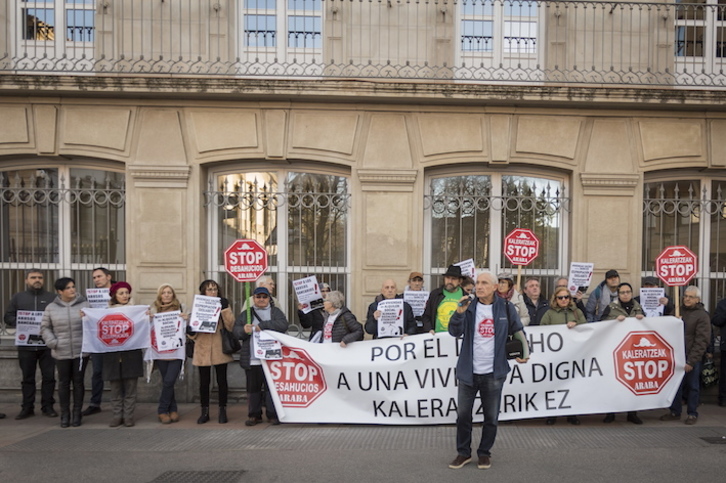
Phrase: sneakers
pixel 484 463
pixel 670 417
pixel 91 410
pixel 691 420
pixel 633 418
pixel 164 418
pixel 459 462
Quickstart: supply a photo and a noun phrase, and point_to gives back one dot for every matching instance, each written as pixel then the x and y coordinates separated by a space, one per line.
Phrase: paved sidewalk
pixel 37 449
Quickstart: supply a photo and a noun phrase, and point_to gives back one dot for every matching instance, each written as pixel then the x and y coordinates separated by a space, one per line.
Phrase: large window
pixel 48 20
pixel 700 37
pixel 301 218
pixel 64 221
pixel 469 216
pixel 690 212
pixel 282 29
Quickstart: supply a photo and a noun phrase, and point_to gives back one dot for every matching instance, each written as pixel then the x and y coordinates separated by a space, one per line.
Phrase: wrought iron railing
pixel 485 41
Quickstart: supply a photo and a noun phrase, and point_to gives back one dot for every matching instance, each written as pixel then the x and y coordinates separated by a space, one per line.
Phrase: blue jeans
pixel 169 373
pixel 690 387
pixel 490 393
pixel 96 380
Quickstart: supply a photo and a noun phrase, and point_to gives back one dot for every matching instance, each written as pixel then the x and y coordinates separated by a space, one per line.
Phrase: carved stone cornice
pixel 607 184
pixel 387 180
pixel 160 176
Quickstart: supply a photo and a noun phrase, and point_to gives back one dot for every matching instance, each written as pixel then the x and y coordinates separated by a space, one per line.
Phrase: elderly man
pixel 536 304
pixel 34 299
pixel 388 292
pixel 442 302
pixel 605 293
pixel 484 327
pixel 697 332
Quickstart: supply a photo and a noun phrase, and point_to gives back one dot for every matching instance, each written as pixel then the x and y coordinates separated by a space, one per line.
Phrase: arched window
pixel 299 216
pixel 62 220
pixel 468 216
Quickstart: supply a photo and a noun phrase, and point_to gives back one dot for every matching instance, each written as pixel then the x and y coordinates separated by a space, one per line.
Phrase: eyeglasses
pixel 563 297
pixel 261 296
pixel 417 279
pixel 625 292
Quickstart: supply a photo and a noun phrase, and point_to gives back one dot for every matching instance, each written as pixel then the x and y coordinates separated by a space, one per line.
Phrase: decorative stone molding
pixel 603 184
pixel 393 180
pixel 160 176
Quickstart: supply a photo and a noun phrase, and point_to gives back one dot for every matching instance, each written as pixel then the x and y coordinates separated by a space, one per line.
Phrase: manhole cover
pixel 199 477
pixel 714 439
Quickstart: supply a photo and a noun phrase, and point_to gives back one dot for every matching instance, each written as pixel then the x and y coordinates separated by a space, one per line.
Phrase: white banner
pixel 390 323
pixel 593 368
pixel 205 314
pixel 27 328
pixel 116 329
pixel 417 300
pixel 98 297
pixel 168 335
pixel 308 293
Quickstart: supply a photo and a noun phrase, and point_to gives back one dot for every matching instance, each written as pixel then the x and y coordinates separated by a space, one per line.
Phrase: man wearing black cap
pixel 443 302
pixel 606 292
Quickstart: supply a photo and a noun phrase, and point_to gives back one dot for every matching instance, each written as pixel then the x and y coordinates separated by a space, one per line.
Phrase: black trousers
pixel 255 384
pixel 205 380
pixel 29 360
pixel 71 371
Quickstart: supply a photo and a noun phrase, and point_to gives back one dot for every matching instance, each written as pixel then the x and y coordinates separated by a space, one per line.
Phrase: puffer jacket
pixel 62 327
pixel 559 315
pixel 697 332
pixel 346 327
pixel 278 322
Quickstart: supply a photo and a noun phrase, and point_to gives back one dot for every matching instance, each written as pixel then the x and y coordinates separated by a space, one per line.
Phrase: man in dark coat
pixel 442 302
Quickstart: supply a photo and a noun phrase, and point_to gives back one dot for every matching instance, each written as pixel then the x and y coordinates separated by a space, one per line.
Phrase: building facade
pixel 356 140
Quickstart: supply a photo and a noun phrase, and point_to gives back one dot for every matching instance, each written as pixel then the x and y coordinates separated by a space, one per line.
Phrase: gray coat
pixel 278 322
pixel 62 327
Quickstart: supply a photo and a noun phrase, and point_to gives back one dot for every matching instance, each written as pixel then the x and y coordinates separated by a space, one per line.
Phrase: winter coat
pixel 615 310
pixel 697 332
pixel 208 347
pixel 535 310
pixel 346 327
pixel 278 322
pixel 464 324
pixel 62 327
pixel 409 322
pixel 598 301
pixel 35 300
pixel 123 364
pixel 559 315
pixel 312 320
pixel 719 320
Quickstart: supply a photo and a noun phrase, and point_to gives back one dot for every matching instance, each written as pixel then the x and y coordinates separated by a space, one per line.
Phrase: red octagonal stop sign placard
pixel 298 379
pixel 245 260
pixel 115 329
pixel 676 265
pixel 644 362
pixel 521 246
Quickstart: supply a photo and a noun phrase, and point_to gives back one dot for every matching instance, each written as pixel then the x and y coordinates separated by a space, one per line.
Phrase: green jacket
pixel 560 316
pixel 614 310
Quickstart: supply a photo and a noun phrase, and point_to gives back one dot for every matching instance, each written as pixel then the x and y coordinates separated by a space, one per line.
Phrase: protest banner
pixel 468 269
pixel 417 300
pixel 205 314
pixel 308 293
pixel 390 323
pixel 266 346
pixel 116 329
pixel 650 301
pixel 168 337
pixel 27 328
pixel 98 297
pixel 580 276
pixel 593 368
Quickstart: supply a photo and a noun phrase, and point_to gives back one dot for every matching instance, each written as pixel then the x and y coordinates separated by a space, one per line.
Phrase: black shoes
pixel 574 420
pixel 550 421
pixel 222 415
pixel 609 418
pixel 50 412
pixel 459 462
pixel 205 415
pixel 25 414
pixel 633 418
pixel 253 421
pixel 91 410
pixel 65 420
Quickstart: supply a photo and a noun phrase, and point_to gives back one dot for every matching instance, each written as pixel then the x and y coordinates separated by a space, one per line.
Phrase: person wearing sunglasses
pixel 623 307
pixel 563 311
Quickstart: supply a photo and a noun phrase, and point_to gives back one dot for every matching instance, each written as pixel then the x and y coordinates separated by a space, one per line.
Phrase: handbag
pixel 189 348
pixel 514 347
pixel 709 373
pixel 230 343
